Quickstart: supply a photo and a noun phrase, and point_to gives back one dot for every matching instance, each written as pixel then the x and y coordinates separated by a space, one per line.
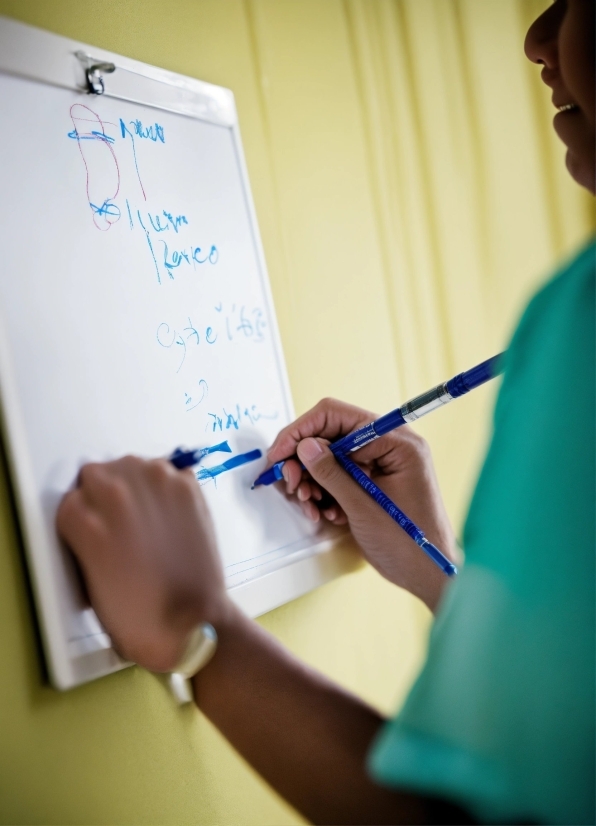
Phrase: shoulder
pixel 572 282
pixel 553 345
pixel 540 459
pixel 563 304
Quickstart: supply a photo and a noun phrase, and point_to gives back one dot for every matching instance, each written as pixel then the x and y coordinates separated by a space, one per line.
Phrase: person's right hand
pixel 142 534
pixel 400 464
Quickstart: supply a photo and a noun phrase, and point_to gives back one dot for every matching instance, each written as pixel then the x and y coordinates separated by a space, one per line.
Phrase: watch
pixel 199 650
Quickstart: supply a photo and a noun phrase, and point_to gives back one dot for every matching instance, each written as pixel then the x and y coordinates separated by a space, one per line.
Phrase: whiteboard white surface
pixel 136 316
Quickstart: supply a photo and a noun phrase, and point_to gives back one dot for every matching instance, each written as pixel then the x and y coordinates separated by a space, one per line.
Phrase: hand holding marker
pixel 408 412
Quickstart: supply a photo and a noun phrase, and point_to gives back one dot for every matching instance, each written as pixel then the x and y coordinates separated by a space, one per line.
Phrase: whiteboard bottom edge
pixel 259 596
pixel 255 597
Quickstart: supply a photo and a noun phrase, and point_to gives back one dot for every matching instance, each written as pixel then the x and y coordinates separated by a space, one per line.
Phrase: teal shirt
pixel 501 719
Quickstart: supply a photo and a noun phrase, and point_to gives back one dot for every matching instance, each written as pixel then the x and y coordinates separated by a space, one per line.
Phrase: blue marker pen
pixel 397 515
pixel 269 476
pixel 187 458
pixel 421 405
pixel 410 411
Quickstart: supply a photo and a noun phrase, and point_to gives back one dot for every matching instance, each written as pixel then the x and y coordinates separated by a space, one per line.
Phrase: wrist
pixel 160 644
pixel 234 631
pixel 228 620
pixel 200 647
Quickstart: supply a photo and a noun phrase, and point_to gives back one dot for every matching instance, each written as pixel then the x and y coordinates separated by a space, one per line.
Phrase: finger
pixel 316 493
pixel 310 510
pixel 292 473
pixel 396 451
pixel 76 523
pixel 329 419
pixel 91 477
pixel 336 516
pixel 100 483
pixel 303 492
pixel 108 493
pixel 323 467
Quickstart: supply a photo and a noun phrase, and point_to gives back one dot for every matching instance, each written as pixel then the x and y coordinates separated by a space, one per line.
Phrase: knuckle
pixel 419 444
pixel 131 463
pixel 116 494
pixel 135 473
pixel 159 471
pixel 409 443
pixel 91 474
pixel 65 512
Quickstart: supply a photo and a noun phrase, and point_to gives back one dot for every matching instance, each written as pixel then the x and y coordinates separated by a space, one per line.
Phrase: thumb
pixel 325 470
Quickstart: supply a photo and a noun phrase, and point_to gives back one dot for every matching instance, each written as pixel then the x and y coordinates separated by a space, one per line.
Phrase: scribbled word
pixel 190 402
pixel 241 322
pixel 206 473
pixel 234 419
pixel 168 337
pixel 191 256
pixel 134 128
pixel 154 133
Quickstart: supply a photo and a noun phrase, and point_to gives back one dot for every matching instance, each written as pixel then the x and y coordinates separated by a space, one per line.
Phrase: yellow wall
pixel 410 195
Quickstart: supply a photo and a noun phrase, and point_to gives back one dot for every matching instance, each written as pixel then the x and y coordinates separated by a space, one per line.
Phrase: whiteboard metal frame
pixel 34 54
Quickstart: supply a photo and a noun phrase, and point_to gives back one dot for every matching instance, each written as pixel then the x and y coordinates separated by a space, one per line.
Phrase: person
pixel 499 726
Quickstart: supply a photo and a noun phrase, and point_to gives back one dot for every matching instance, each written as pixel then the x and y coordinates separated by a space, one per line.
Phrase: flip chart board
pixel 136 316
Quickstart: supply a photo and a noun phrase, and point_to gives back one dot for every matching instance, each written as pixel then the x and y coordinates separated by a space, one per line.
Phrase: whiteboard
pixel 136 316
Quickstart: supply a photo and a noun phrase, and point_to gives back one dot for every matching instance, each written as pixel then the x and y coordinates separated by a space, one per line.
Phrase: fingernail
pixel 309 449
pixel 285 472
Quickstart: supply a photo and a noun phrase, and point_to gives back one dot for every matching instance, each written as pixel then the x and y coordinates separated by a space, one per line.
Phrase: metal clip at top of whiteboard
pixel 156 88
pixel 94 72
pixel 47 58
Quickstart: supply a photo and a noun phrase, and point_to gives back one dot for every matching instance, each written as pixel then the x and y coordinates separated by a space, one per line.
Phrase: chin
pixel 584 173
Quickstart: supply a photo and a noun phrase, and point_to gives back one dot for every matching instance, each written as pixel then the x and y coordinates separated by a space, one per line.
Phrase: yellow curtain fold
pixel 472 200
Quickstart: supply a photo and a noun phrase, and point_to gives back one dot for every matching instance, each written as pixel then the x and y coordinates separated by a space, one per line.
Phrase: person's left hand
pixel 143 537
